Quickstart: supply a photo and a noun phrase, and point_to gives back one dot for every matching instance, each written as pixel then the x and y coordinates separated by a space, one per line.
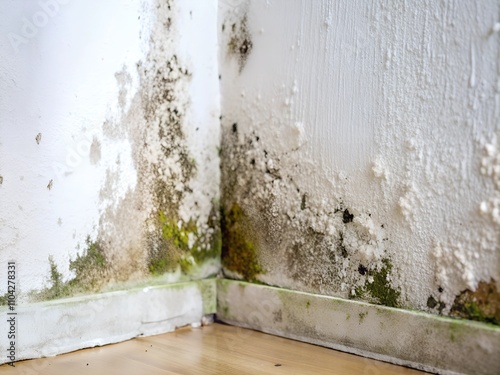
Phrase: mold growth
pixel 58 288
pixel 482 305
pixel 90 270
pixel 90 267
pixel 240 42
pixel 158 208
pixel 435 304
pixel 239 252
pixel 300 243
pixel 4 299
pixel 177 225
pixel 378 288
pixel 183 245
pixel 170 171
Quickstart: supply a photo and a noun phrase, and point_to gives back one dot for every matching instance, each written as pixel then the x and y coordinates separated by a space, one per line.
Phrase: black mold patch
pixel 303 203
pixel 240 42
pixel 362 270
pixel 431 302
pixel 341 246
pixel 347 217
pixel 435 305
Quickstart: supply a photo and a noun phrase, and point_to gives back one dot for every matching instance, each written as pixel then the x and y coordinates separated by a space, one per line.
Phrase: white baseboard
pixel 409 338
pixel 61 326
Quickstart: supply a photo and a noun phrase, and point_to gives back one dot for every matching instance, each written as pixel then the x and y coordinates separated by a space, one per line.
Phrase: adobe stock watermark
pixel 31 25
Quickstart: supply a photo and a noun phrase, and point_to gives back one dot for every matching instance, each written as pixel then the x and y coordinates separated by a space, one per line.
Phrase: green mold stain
pixel 208 290
pixel 456 331
pixel 238 250
pixel 176 248
pixel 182 244
pixel 482 305
pixel 380 290
pixel 90 267
pixel 90 270
pixel 4 299
pixel 58 288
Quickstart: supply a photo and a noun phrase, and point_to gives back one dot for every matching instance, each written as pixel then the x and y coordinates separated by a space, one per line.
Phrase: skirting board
pixel 408 338
pixel 60 326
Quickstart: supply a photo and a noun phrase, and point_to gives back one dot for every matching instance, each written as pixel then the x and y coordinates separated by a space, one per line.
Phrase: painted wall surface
pixel 109 134
pixel 361 150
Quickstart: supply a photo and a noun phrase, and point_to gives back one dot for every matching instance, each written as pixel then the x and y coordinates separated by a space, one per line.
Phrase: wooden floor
pixel 215 349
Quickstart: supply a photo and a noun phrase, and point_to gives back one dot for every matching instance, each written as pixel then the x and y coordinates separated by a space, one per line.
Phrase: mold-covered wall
pixel 109 134
pixel 360 150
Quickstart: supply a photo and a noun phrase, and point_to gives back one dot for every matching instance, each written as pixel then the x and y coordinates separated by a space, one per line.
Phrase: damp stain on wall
pixel 157 227
pixel 172 238
pixel 274 234
pixel 308 191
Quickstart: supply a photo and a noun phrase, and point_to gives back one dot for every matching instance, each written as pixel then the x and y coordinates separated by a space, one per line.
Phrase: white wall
pixel 386 109
pixel 83 78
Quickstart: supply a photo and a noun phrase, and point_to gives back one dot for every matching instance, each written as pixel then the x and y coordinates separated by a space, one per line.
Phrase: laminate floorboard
pixel 214 349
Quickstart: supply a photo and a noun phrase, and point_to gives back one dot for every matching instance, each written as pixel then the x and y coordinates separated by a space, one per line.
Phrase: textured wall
pixel 360 150
pixel 109 138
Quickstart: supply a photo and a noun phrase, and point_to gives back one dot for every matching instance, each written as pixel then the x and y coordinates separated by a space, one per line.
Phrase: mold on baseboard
pixel 408 338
